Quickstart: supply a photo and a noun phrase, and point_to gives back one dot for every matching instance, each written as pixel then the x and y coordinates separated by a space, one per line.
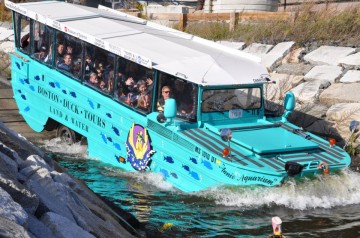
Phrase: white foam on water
pixel 57 146
pixel 325 191
pixel 144 178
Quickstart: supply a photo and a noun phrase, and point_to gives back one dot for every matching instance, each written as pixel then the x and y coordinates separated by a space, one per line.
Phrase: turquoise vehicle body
pixel 221 147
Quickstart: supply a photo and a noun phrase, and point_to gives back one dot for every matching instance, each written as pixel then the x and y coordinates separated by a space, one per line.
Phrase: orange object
pixel 324 167
pixel 332 142
pixel 226 151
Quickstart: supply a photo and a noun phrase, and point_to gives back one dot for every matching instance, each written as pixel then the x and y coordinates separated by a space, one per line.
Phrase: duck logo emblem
pixel 138 147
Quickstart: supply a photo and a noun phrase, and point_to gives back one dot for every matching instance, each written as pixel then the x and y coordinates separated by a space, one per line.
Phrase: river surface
pixel 325 206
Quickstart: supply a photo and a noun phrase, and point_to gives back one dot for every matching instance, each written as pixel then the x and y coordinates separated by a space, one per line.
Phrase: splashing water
pixel 321 206
pixel 322 192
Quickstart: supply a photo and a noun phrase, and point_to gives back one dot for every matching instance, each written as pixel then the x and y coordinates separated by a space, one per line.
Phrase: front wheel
pixel 66 134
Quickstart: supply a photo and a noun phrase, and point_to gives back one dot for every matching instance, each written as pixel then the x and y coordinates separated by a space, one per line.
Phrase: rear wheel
pixel 66 134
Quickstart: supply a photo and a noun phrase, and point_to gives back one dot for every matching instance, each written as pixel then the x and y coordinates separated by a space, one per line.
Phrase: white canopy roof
pixel 186 56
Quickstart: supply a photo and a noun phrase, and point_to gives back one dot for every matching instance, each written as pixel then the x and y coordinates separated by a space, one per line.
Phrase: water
pixel 325 206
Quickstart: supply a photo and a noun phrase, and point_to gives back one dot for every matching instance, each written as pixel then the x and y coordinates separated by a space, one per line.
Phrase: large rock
pixel 50 193
pixel 324 73
pixel 308 92
pixel 63 227
pixel 283 83
pixel 351 76
pixel 328 55
pixel 11 210
pixel 341 93
pixel 294 69
pixel 342 114
pixel 258 49
pixel 351 61
pixel 274 57
pixel 9 229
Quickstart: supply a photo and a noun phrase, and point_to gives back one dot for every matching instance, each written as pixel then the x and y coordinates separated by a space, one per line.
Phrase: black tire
pixel 66 134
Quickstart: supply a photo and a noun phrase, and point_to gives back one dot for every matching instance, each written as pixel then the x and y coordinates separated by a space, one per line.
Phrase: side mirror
pixel 170 109
pixel 289 104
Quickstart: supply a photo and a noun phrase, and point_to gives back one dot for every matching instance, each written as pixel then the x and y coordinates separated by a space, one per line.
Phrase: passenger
pixel 48 58
pixel 93 80
pixel 25 42
pixel 60 53
pixel 102 85
pixel 67 64
pixel 165 94
pixel 69 49
pixel 89 66
pixel 149 85
pixel 143 96
pixel 99 73
pixel 142 104
pixel 77 68
pixel 41 56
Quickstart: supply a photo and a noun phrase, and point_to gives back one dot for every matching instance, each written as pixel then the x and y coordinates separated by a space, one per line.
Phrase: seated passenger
pixel 41 56
pixel 89 66
pixel 93 80
pixel 67 64
pixel 142 95
pixel 165 94
pixel 60 53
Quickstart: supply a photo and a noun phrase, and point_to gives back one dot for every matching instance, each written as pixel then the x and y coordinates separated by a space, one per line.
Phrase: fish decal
pixel 37 77
pixel 64 91
pixel 138 147
pixel 32 88
pixel 17 65
pixel 169 159
pixel 195 175
pixel 120 159
pixel 23 96
pixel 19 90
pixel 27 81
pixel 186 168
pixel 57 84
pixel 26 109
pixel 174 175
pixel 73 94
pixel 193 160
pixel 109 139
pixel 91 103
pixel 103 137
pixel 117 146
pixel 22 81
pixel 207 164
pixel 115 130
pixel 52 84
pixel 165 173
pixel 108 115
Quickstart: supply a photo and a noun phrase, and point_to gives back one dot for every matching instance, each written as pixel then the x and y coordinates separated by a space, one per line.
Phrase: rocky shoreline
pixel 38 199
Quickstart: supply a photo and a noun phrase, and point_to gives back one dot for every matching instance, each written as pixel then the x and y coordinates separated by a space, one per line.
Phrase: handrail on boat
pixel 255 127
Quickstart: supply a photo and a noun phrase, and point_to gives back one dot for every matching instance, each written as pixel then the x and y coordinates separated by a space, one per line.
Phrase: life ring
pixel 324 167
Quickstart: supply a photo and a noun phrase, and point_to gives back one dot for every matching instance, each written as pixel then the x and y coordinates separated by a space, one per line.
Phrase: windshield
pixel 220 100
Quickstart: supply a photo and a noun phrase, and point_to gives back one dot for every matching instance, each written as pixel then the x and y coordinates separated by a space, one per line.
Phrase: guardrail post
pixel 182 21
pixel 234 17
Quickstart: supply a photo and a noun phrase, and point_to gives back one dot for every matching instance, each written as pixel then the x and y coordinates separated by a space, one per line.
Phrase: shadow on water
pixel 323 206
